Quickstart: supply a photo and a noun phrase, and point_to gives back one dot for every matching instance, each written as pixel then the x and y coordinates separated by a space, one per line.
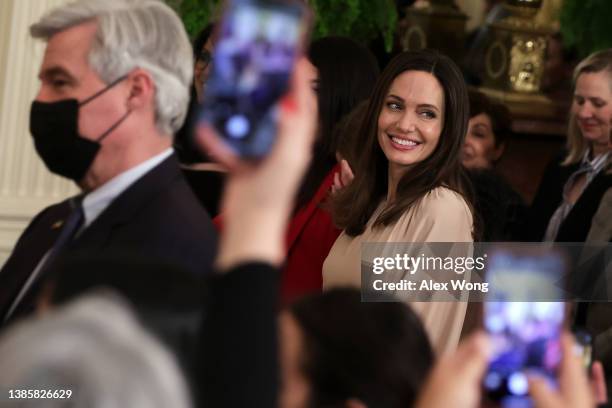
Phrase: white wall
pixel 25 185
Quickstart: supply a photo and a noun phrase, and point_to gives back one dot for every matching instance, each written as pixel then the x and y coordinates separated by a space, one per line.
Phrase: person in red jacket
pixel 343 75
pixel 347 72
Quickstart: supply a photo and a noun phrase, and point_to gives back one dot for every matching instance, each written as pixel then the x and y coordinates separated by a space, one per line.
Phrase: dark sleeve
pixel 515 215
pixel 184 144
pixel 239 353
pixel 546 201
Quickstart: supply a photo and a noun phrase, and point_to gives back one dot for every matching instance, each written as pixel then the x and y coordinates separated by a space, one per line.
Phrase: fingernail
pixel 288 104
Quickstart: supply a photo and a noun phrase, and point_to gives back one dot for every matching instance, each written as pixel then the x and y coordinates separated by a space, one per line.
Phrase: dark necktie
pixel 69 230
pixel 24 302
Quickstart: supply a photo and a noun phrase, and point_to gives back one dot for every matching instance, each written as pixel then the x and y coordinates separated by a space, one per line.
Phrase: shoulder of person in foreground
pixel 90 350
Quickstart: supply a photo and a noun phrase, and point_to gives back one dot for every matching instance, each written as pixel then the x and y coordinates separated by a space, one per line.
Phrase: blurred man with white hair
pixel 91 353
pixel 114 87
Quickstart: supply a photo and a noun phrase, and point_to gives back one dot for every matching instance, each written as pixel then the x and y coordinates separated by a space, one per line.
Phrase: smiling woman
pixel 409 184
pixel 410 121
pixel 573 185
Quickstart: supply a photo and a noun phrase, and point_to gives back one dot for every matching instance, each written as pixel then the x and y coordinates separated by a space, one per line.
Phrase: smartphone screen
pixel 525 332
pixel 257 44
pixel 584 347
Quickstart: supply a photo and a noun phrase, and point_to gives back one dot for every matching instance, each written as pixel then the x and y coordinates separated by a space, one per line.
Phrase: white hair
pixel 95 348
pixel 133 34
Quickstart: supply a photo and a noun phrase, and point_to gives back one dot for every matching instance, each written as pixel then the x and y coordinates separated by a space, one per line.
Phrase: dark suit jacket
pixel 207 185
pixel 156 217
pixel 575 227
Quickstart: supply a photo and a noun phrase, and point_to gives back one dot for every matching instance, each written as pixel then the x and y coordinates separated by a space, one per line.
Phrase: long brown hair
pixel 347 74
pixel 354 205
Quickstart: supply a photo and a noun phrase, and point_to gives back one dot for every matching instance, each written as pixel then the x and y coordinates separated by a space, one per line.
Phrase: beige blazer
pixel 441 216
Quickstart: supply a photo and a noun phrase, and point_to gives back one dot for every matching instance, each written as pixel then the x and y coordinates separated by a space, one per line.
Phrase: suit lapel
pixel 44 230
pixel 33 244
pixel 129 203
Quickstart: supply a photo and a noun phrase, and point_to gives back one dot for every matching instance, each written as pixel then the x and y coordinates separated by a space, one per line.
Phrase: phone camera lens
pixel 237 126
pixel 517 384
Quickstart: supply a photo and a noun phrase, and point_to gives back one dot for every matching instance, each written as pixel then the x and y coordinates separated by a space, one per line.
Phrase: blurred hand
pixel 598 383
pixel 574 390
pixel 455 380
pixel 342 178
pixel 258 198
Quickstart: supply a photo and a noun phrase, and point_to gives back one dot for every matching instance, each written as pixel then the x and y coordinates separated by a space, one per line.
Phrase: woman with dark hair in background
pixel 184 144
pixel 342 73
pixel 409 184
pixel 500 208
pixel 346 133
pixel 346 73
pixel 206 179
pixel 488 130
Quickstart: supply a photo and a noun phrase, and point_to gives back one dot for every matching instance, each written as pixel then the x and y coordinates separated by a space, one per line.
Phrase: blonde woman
pixel 573 185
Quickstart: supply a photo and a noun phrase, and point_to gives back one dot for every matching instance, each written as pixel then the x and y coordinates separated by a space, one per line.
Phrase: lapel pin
pixel 57 224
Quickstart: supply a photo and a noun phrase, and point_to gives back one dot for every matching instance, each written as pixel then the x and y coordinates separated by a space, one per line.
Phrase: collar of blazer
pixel 131 201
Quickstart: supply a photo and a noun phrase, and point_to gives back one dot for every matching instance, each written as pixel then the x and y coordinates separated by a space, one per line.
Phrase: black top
pixel 207 185
pixel 576 225
pixel 500 208
pixel 239 352
pixel 184 144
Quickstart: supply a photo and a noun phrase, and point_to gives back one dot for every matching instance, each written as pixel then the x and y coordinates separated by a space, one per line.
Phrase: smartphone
pixel 257 44
pixel 584 347
pixel 524 317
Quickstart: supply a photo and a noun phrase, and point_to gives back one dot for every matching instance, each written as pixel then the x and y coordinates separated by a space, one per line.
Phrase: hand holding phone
pixel 524 330
pixel 258 200
pixel 574 390
pixel 455 379
pixel 258 43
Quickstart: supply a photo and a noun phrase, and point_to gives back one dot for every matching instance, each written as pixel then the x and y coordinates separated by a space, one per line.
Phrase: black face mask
pixel 55 129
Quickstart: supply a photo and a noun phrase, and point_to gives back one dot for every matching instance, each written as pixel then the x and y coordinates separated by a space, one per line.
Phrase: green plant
pixel 585 25
pixel 195 13
pixel 362 20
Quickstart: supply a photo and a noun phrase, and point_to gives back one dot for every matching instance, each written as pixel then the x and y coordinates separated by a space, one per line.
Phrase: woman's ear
pixel 355 403
pixel 498 151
